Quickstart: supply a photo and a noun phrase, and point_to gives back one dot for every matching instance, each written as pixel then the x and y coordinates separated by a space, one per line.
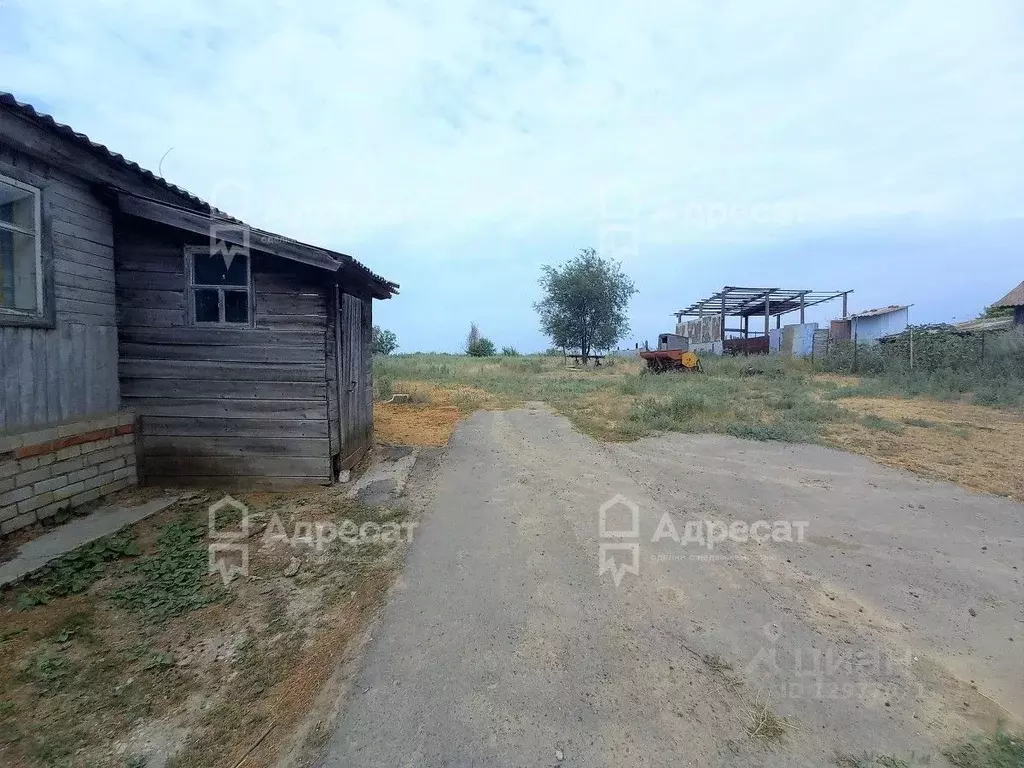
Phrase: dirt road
pixel 893 626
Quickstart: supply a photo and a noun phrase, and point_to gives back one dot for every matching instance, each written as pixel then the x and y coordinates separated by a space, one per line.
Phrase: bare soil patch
pixel 137 656
pixel 430 415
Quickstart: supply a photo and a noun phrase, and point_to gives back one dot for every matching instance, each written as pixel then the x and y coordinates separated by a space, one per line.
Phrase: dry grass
pixel 603 414
pixel 411 424
pixel 429 418
pixel 977 447
pixel 839 379
pixel 765 724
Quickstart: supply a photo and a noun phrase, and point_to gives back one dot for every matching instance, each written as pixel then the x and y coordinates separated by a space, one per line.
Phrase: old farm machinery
pixel 672 354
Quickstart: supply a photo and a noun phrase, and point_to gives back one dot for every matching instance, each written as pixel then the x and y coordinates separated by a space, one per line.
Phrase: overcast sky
pixel 455 146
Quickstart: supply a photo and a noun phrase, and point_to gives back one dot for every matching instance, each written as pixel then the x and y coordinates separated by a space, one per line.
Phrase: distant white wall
pixel 708 347
pixel 796 339
pixel 868 330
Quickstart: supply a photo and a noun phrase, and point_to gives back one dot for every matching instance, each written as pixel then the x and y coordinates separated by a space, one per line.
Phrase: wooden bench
pixel 578 359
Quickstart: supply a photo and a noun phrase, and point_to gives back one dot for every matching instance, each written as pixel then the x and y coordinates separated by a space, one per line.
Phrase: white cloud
pixel 346 121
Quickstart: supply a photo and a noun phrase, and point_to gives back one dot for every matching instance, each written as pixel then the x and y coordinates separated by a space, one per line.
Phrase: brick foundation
pixel 62 466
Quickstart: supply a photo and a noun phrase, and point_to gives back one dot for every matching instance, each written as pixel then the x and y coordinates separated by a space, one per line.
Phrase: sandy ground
pixel 975 446
pixel 893 627
pixel 430 418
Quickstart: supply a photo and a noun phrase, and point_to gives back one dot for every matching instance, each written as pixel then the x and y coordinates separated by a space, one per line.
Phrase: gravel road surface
pixel 890 622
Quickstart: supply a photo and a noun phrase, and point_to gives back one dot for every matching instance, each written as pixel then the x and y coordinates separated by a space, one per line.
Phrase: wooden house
pixel 145 336
pixel 1015 300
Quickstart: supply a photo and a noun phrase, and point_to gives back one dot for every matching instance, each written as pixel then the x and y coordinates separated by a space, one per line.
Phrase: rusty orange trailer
pixel 661 360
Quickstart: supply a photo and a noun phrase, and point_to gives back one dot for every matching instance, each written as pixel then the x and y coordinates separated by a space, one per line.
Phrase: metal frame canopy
pixel 736 301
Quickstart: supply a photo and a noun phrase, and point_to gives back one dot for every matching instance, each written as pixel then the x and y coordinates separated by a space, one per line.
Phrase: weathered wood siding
pixel 333 370
pixel 70 370
pixel 243 406
pixel 356 379
pixel 364 426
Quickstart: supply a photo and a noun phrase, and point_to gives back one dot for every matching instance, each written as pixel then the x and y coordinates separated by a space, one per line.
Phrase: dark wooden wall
pixel 223 406
pixel 355 363
pixel 333 370
pixel 269 406
pixel 70 370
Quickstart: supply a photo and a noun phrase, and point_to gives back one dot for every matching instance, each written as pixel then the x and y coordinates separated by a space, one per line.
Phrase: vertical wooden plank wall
pixel 69 371
pixel 356 379
pixel 365 425
pixel 218 406
pixel 332 370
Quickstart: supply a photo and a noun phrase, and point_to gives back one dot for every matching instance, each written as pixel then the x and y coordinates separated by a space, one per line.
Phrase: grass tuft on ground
pixel 765 724
pixel 872 421
pixel 879 760
pixel 99 667
pixel 995 750
pixel 896 420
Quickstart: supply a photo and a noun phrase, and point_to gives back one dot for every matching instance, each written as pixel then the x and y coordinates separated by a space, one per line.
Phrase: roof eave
pixel 112 171
pixel 1014 298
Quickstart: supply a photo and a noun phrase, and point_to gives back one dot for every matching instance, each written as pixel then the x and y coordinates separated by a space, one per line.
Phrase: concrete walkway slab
pixel 385 479
pixel 103 522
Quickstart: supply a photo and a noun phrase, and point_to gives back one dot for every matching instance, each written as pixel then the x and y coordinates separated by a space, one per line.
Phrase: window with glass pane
pixel 20 288
pixel 219 287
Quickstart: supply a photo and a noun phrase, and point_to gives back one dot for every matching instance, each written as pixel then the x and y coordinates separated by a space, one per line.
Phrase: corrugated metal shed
pixel 880 311
pixel 868 327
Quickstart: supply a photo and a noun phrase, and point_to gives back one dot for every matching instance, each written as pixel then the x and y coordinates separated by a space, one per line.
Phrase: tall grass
pixel 759 398
pixel 770 397
pixel 946 366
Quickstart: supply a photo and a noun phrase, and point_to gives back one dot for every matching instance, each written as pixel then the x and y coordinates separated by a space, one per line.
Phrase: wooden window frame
pixel 39 313
pixel 191 287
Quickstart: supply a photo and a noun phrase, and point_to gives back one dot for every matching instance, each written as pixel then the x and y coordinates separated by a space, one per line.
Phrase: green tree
pixel 472 338
pixel 384 341
pixel 584 304
pixel 482 347
pixel 476 344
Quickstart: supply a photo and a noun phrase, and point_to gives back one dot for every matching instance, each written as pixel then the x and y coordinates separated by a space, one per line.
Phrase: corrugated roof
pixel 66 131
pixel 986 324
pixel 99 150
pixel 1014 298
pixel 739 301
pixel 880 310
